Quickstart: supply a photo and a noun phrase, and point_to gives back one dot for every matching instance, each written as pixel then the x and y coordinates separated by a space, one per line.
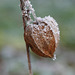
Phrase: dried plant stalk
pixel 41 34
pixel 29 62
pixel 24 23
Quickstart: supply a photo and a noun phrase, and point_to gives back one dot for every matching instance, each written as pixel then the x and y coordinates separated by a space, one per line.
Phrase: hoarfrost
pixel 53 26
pixel 45 29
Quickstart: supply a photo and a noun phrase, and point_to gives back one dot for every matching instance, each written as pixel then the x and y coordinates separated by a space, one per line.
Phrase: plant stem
pixel 23 17
pixel 24 24
pixel 29 62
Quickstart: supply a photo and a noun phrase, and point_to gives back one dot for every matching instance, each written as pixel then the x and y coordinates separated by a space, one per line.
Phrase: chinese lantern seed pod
pixel 43 36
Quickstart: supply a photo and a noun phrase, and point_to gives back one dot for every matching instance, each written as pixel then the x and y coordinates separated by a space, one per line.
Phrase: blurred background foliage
pixel 11 37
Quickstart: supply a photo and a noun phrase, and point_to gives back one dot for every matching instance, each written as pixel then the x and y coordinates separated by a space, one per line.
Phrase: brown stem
pixel 21 4
pixel 29 62
pixel 23 17
pixel 24 23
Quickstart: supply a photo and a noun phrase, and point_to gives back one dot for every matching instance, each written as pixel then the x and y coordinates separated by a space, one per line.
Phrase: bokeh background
pixel 13 58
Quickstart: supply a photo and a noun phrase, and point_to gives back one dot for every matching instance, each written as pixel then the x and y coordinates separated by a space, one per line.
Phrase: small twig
pixel 29 62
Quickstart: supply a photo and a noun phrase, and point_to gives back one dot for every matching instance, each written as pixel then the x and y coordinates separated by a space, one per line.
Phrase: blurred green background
pixel 13 60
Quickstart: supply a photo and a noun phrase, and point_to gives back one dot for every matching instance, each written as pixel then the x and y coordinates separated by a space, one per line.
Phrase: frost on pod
pixel 28 10
pixel 42 34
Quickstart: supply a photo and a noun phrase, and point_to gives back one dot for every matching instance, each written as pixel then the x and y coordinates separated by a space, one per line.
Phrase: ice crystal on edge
pixel 54 58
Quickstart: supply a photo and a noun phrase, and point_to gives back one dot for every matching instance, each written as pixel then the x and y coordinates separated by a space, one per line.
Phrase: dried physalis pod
pixel 42 36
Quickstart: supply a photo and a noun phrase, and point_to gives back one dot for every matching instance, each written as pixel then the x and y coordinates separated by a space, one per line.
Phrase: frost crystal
pixel 29 7
pixel 54 58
